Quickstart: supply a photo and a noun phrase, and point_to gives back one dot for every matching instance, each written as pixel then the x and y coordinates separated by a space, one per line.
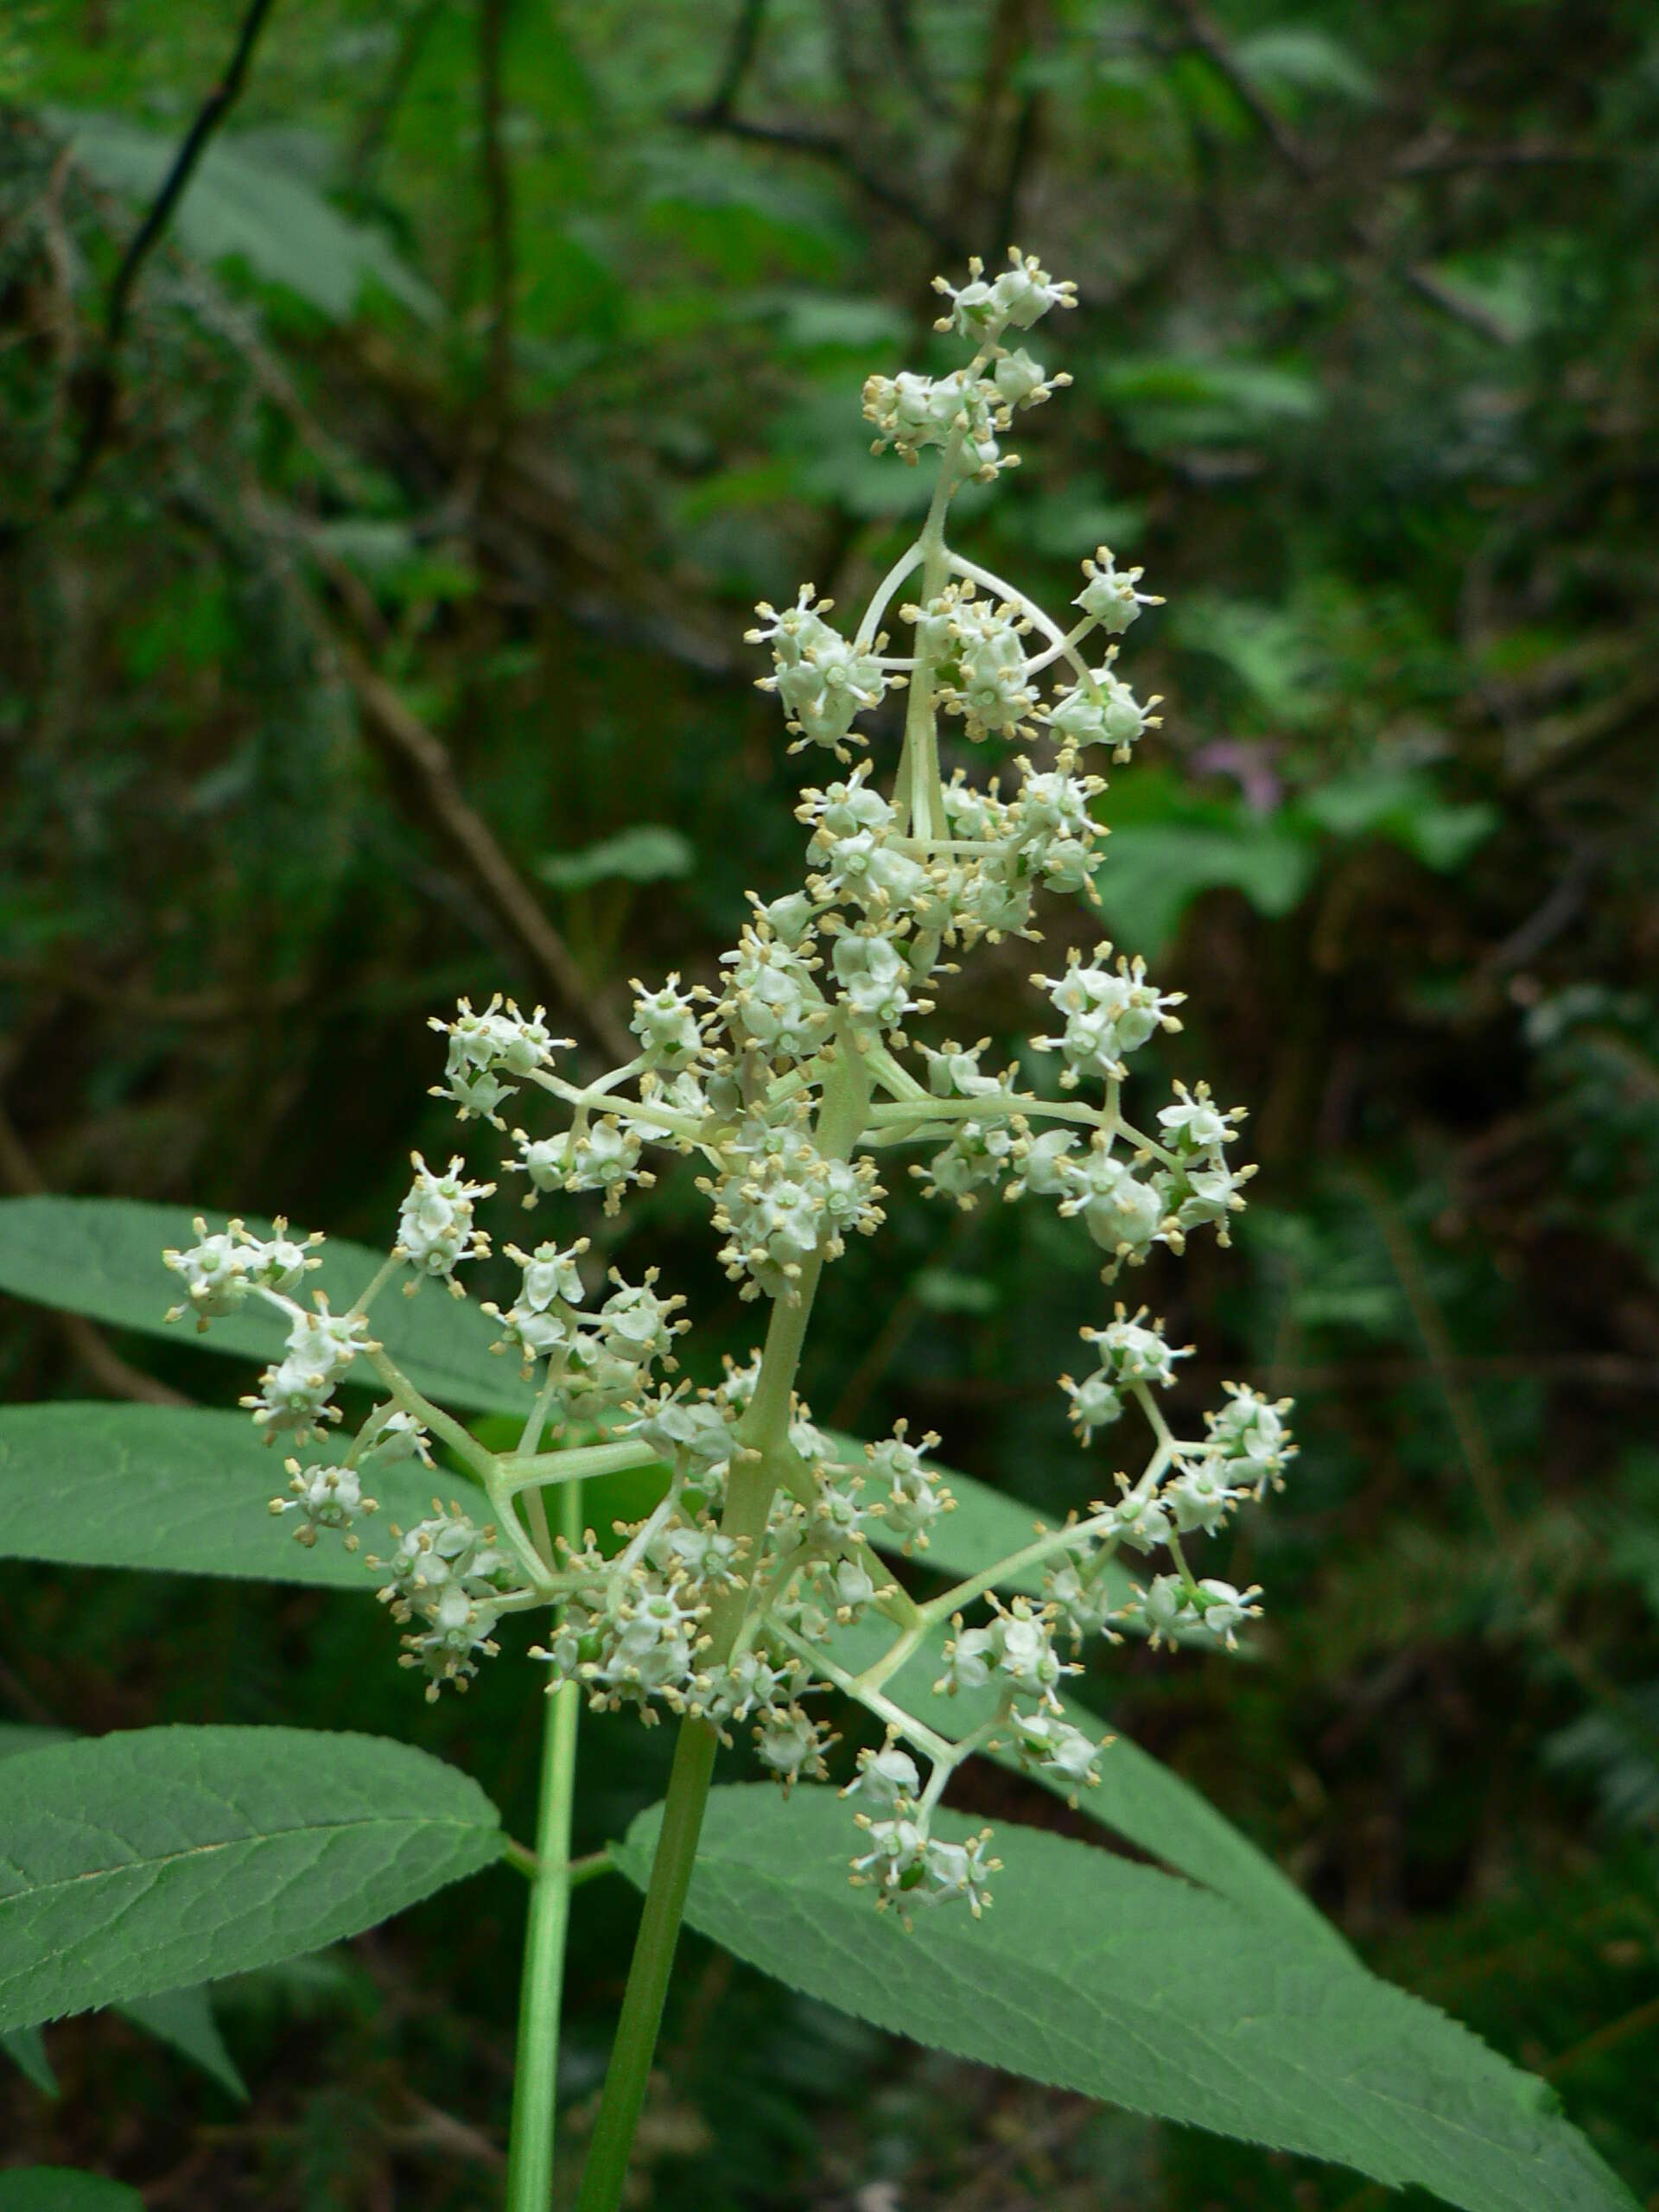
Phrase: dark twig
pixel 1206 35
pixel 820 146
pixel 718 113
pixel 740 54
pixel 403 738
pixel 100 406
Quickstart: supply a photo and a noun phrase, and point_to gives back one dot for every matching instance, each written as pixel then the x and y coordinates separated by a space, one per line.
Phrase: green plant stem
pixel 755 1475
pixel 606 2171
pixel 535 2084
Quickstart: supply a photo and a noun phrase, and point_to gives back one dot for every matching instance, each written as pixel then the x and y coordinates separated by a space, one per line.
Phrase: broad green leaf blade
pixel 136 1863
pixel 184 2019
pixel 173 1488
pixel 18 1736
pixel 64 2188
pixel 103 1257
pixel 26 2048
pixel 1128 1985
pixel 1137 1798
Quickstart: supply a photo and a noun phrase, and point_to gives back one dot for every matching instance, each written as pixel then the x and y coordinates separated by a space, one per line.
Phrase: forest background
pixel 370 634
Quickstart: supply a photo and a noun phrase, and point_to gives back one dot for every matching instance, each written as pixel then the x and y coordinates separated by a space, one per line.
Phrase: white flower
pixel 1109 1012
pixel 1129 1351
pixel 820 679
pixel 1195 1123
pixel 483 1047
pixel 792 1746
pixel 223 1269
pixel 1199 1498
pixel 874 976
pixel 1019 296
pixel 324 1497
pixel 1110 595
pixel 1222 1610
pixel 1250 1438
pixel 885 1777
pixel 434 1225
pixel 1055 1747
pixel 635 1324
pixel 295 1392
pixel 665 1022
pixel 958 1870
pixel 1095 1404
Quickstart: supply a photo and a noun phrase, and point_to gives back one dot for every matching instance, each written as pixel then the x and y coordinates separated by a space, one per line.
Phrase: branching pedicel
pixel 790 1086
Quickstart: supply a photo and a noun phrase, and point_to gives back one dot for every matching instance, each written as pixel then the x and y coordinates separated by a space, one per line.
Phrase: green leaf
pixel 103 1257
pixel 64 2188
pixel 1126 1984
pixel 1299 59
pixel 139 1862
pixel 184 2019
pixel 255 208
pixel 649 852
pixel 1182 399
pixel 172 1488
pixel 18 1736
pixel 1153 872
pixel 26 2048
pixel 1403 805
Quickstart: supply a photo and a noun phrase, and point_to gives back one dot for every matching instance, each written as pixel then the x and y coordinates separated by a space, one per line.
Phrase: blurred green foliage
pixel 507 401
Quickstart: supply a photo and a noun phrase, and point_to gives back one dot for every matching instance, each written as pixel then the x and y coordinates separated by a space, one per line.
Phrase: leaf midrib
pixel 159 1859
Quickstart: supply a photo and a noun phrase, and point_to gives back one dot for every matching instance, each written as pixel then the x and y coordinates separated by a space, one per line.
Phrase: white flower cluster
pixel 434 1225
pixel 781 1203
pixel 485 1046
pixel 786 1072
pixel 447 1577
pixel 296 1392
pixel 223 1269
pixel 905 1863
pixel 823 681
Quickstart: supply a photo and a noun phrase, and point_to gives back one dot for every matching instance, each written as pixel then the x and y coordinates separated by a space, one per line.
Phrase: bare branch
pixel 403 738
pixel 100 409
pixel 740 53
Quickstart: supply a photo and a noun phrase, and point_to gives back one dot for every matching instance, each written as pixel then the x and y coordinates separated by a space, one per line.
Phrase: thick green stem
pixel 535 2085
pixel 751 1487
pixel 606 2172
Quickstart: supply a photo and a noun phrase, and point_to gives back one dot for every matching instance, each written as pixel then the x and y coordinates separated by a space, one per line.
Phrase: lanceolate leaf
pixel 103 1257
pixel 183 2018
pixel 1129 1985
pixel 26 2048
pixel 136 1863
pixel 179 1488
pixel 64 2188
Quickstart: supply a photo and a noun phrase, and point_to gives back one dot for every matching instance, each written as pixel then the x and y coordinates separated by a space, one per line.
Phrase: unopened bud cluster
pixel 790 1075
